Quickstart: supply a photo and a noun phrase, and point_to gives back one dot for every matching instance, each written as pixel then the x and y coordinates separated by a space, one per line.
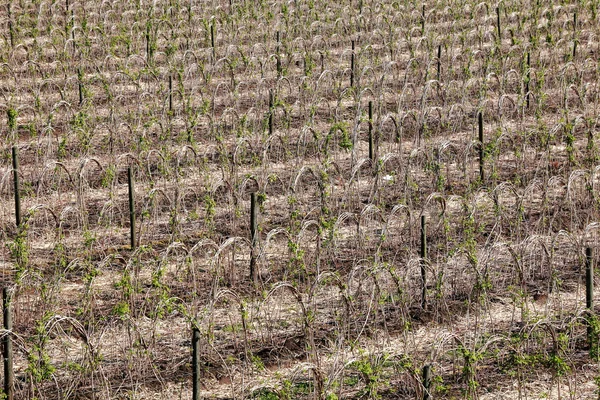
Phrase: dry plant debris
pixel 346 121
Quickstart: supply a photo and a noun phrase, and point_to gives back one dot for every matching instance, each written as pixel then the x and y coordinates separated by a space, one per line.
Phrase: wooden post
pixel 253 238
pixel 574 35
pixel 212 38
pixel 498 25
pixel 131 208
pixel 15 163
pixel 589 301
pixel 277 57
pixel 7 342
pixel 322 61
pixel 80 85
pixel 371 155
pixel 271 101
pixel 73 30
pixel 426 381
pixel 69 21
pixel 195 364
pixel 423 260
pixel 189 14
pixel 171 93
pixel 66 18
pixel 352 66
pixel 528 79
pixel 589 280
pixel 439 62
pixel 480 123
pixel 423 21
pixel 11 31
pixel 148 46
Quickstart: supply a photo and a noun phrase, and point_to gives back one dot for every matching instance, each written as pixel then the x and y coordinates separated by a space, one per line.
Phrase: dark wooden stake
pixel 574 35
pixel 439 62
pixel 131 208
pixel 80 85
pixel 212 38
pixel 73 30
pixel 352 66
pixel 589 280
pixel 195 364
pixel 15 163
pixel 171 93
pixel 11 31
pixel 253 234
pixel 423 262
pixel 371 155
pixel 426 381
pixel 498 25
pixel 148 45
pixel 277 57
pixel 8 353
pixel 271 101
pixel 66 18
pixel 589 296
pixel 481 173
pixel 528 79
pixel 322 61
pixel 423 21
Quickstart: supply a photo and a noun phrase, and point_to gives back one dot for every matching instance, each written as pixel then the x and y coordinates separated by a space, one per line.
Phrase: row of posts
pixel 6 296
